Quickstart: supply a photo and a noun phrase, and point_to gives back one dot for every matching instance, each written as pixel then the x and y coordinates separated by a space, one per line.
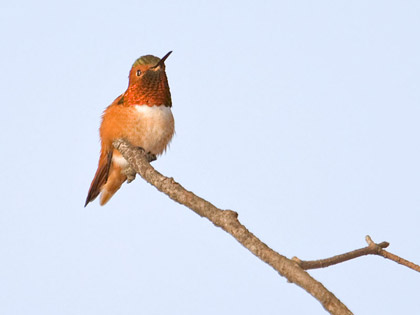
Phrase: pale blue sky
pixel 302 116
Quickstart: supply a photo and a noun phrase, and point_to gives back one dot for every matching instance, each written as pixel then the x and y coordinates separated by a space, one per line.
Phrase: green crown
pixel 146 60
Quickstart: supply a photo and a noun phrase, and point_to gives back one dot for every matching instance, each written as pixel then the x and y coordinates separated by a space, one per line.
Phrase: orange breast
pixel 150 127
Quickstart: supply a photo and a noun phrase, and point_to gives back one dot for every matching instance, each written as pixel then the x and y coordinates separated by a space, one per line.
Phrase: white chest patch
pixel 155 112
pixel 156 124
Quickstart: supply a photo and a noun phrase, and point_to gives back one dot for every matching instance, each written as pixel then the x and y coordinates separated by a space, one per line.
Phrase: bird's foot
pixel 130 173
pixel 149 155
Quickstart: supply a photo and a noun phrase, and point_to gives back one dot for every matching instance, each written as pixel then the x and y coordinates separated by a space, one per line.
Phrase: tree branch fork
pixel 294 270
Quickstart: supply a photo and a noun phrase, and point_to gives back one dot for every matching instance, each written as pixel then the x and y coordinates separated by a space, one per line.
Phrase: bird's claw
pixel 149 155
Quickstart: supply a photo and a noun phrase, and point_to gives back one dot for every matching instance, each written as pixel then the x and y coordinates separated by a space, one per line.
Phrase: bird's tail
pixel 114 182
pixel 101 176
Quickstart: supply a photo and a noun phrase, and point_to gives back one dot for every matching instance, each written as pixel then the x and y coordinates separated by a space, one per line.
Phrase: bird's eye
pixel 138 73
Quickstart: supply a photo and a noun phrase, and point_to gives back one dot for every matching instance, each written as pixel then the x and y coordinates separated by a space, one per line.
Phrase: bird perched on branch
pixel 142 116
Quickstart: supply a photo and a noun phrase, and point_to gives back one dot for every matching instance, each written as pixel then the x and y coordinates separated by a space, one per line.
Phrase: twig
pixel 228 221
pixel 380 251
pixel 371 249
pixel 322 263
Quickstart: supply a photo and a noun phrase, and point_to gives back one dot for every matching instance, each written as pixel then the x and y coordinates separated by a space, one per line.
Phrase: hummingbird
pixel 141 115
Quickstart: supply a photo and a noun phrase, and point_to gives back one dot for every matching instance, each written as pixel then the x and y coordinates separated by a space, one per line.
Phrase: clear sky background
pixel 302 116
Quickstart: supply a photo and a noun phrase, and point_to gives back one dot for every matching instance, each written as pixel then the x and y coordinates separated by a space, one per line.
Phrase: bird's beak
pixel 162 60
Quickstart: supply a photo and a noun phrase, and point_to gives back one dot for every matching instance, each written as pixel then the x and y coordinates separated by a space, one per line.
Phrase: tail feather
pixel 101 176
pixel 115 180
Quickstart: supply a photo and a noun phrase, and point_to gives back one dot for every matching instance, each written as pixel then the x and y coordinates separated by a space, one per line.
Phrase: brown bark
pixel 228 221
pixel 371 249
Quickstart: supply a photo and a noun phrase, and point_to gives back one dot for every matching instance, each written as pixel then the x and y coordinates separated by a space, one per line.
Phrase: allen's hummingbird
pixel 142 115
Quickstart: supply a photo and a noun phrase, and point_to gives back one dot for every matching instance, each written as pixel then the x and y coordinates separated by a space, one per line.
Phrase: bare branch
pixel 228 221
pixel 380 251
pixel 322 263
pixel 371 249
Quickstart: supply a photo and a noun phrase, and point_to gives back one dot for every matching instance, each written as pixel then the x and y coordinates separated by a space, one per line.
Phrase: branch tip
pixel 383 244
pixel 296 259
pixel 369 240
pixel 231 213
